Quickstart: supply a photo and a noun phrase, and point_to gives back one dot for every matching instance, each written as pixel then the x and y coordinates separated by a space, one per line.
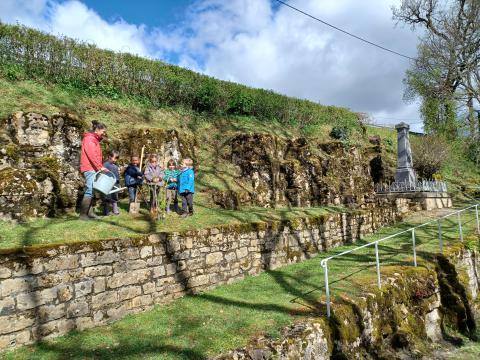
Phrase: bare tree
pixel 448 64
pixel 429 155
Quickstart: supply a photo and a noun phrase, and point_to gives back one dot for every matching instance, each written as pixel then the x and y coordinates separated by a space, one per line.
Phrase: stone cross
pixel 405 172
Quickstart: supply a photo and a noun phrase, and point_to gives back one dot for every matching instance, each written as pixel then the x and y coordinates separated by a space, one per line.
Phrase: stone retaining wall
pixel 46 291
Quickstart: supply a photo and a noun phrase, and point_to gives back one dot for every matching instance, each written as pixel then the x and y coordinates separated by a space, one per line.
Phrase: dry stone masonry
pixel 46 291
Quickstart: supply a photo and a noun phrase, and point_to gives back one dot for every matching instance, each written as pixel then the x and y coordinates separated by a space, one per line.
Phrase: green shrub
pixel 12 72
pixel 241 103
pixel 341 133
pixel 206 97
pixel 473 150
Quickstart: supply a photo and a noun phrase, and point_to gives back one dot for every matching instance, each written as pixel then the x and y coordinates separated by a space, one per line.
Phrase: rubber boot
pixel 91 213
pixel 106 209
pixel 84 207
pixel 115 208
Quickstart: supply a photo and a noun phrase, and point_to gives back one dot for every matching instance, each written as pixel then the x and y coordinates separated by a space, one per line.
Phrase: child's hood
pixel 187 170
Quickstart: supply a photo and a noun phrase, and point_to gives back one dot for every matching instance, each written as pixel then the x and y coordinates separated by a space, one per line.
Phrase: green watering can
pixel 105 183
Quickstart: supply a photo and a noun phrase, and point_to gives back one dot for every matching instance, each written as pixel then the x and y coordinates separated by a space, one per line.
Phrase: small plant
pixel 388 142
pixel 341 133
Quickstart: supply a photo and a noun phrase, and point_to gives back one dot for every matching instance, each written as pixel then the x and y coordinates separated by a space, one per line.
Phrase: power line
pixel 344 31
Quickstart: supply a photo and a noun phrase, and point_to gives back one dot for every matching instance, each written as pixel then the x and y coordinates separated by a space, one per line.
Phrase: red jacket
pixel 91 154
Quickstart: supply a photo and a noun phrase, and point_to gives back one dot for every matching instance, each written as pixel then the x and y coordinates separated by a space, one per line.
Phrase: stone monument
pixel 405 173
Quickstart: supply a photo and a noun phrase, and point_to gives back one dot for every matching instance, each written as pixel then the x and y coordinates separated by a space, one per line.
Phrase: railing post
pixel 440 240
pixel 414 250
pixel 327 288
pixel 377 259
pixel 476 216
pixel 460 230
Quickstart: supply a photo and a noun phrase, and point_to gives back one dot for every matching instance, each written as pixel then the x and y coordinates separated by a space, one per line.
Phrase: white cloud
pixel 74 19
pixel 27 12
pixel 249 42
pixel 295 55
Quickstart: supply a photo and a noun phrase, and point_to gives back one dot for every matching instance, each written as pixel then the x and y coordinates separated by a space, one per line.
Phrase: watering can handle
pixel 101 172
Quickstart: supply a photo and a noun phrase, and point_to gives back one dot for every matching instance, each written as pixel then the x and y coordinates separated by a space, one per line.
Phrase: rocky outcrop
pixel 165 144
pixel 307 341
pixel 39 158
pixel 301 173
pixel 401 321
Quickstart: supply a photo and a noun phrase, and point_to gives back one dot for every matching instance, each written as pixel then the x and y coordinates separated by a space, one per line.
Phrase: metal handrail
pixel 324 262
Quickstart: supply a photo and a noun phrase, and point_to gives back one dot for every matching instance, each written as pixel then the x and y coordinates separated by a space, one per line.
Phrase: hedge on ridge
pixel 26 53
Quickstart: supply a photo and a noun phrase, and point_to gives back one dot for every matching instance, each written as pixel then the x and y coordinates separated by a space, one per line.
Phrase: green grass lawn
pixel 69 228
pixel 227 317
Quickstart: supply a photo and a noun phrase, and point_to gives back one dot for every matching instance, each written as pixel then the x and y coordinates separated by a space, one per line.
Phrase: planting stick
pixel 134 208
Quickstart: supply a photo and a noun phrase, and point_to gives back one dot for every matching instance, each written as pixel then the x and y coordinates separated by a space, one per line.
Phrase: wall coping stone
pixel 54 249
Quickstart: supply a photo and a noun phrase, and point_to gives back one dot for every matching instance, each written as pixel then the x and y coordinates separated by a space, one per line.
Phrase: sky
pixel 260 43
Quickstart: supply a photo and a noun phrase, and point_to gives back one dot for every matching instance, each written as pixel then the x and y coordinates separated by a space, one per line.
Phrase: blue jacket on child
pixel 186 181
pixel 131 176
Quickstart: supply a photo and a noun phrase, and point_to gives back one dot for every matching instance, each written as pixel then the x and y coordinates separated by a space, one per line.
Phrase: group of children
pixel 177 182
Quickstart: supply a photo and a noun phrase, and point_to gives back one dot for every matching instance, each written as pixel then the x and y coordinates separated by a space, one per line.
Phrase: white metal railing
pixel 418 186
pixel 324 262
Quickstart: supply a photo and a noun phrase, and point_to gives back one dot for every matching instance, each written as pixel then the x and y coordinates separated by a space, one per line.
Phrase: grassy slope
pixel 120 115
pixel 227 317
pixel 212 134
pixel 69 228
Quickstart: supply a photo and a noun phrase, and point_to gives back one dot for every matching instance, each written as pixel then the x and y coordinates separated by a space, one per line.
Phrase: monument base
pixel 415 201
pixel 406 176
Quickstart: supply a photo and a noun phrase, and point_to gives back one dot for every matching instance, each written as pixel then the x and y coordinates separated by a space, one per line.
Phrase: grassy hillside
pixel 27 54
pixel 212 131
pixel 44 73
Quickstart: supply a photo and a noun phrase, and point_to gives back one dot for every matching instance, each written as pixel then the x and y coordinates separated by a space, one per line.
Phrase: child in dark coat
pixel 133 178
pixel 112 199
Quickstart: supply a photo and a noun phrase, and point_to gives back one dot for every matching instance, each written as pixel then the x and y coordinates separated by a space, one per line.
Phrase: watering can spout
pixel 105 183
pixel 116 189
